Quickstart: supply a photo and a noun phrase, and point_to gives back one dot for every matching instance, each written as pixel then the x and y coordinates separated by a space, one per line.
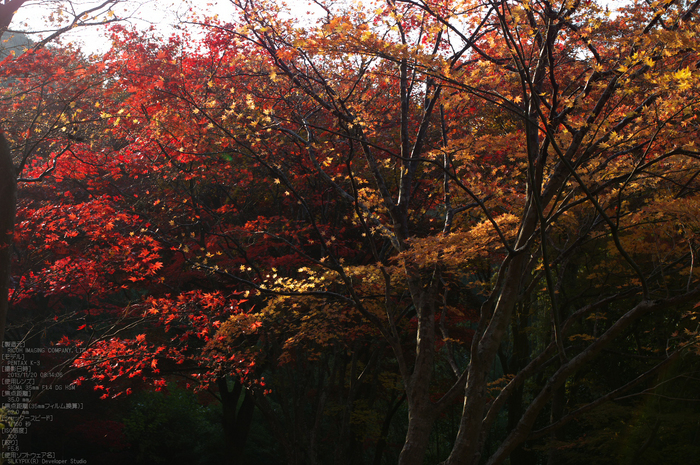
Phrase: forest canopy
pixel 403 231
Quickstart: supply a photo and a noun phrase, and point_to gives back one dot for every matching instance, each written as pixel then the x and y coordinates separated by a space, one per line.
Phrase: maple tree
pixel 68 15
pixel 7 198
pixel 586 131
pixel 208 227
pixel 537 145
pixel 87 243
pixel 495 194
pixel 79 255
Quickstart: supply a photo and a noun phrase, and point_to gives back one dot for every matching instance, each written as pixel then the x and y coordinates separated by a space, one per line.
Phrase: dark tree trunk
pixel 558 401
pixel 7 12
pixel 382 442
pixel 237 420
pixel 520 358
pixel 8 205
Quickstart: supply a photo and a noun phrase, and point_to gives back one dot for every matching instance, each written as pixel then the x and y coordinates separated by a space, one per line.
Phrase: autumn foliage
pixel 395 220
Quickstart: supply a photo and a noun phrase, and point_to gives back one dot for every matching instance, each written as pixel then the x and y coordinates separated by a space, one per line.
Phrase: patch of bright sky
pixel 40 18
pixel 165 15
pixel 42 15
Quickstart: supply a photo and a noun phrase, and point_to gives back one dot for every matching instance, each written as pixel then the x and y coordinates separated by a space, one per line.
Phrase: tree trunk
pixel 421 410
pixel 8 205
pixel 237 420
pixel 420 425
pixel 521 350
pixel 558 401
pixel 382 442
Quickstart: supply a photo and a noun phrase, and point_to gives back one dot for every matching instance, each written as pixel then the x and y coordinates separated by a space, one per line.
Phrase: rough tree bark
pixel 8 200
